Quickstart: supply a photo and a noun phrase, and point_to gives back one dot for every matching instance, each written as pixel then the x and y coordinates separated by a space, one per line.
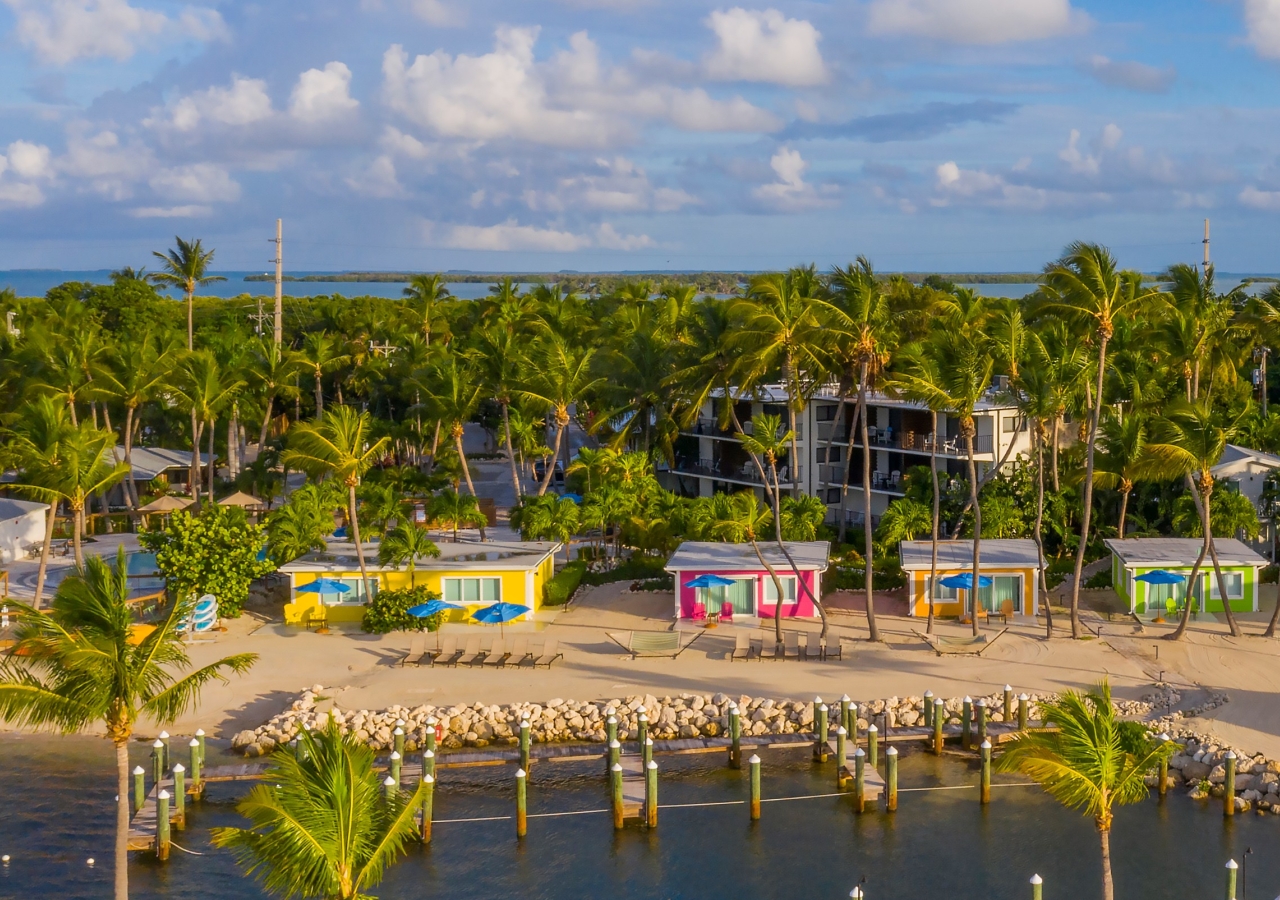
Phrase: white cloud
pixel 170 212
pixel 437 12
pixel 790 192
pixel 246 101
pixel 20 194
pixel 29 161
pixel 322 94
pixel 955 183
pixel 379 180
pixel 975 21
pixel 618 185
pixel 1134 76
pixel 1262 20
pixel 764 46
pixel 608 237
pixel 202 182
pixel 1259 199
pixel 1083 163
pixel 62 31
pixel 104 164
pixel 510 235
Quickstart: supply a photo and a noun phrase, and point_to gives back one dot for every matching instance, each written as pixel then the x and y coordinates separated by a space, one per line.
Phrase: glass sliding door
pixel 1003 588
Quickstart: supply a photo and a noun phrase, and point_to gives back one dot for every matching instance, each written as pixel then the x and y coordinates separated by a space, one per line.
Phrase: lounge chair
pixel 470 654
pixel 448 650
pixel 768 647
pixel 416 652
pixel 518 652
pixel 813 647
pixel 742 647
pixel 833 650
pixel 651 643
pixel 790 645
pixel 497 656
pixel 550 653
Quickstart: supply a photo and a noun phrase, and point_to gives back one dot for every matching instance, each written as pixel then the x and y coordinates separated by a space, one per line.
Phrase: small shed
pixel 1131 557
pixel 21 527
pixel 753 592
pixel 1012 564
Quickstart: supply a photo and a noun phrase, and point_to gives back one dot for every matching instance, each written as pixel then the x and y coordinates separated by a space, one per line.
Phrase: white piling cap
pixel 164 735
pixel 158 743
pixel 612 720
pixel 521 773
pixel 859 752
pixel 754 760
pixel 846 699
pixel 981 701
pixel 525 724
pixel 398 730
pixel 616 767
pixel 841 730
pixel 856 893
pixel 1231 754
pixel 395 755
pixel 5 859
pixel 817 701
pixel 986 745
pixel 939 702
pixel 928 693
pixel 429 754
pixel 1231 864
pixel 164 795
pixel 199 732
pixel 822 706
pixel 1023 697
pixel 733 710
pixel 652 765
pixel 138 770
pixel 399 723
pixel 1036 879
pixel 431 720
pixel 609 711
pixel 429 779
pixel 968 699
pixel 1163 737
pixel 388 781
pixel 643 717
pixel 873 728
pixel 641 710
pixel 1008 688
pixel 194 743
pixel 179 768
pixel 892 751
pixel 648 741
pixel 614 743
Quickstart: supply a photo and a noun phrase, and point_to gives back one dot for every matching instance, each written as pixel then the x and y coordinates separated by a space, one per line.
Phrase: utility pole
pixel 279 261
pixel 1206 247
pixel 384 349
pixel 259 318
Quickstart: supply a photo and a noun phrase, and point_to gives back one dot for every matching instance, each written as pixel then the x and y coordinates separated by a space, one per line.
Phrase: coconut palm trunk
pixel 511 454
pixel 1038 532
pixel 355 536
pixel 937 516
pixel 1194 578
pixel 847 468
pixel 777 586
pixel 1206 484
pixel 45 547
pixel 122 819
pixel 130 486
pixel 562 422
pixel 210 466
pixel 788 376
pixel 975 591
pixel 1104 840
pixel 193 474
pixel 1104 334
pixel 873 632
pixel 456 430
pixel 77 529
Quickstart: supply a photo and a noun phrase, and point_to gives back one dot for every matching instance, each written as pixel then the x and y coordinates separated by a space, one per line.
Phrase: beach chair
pixel 448 650
pixel 791 645
pixel 470 654
pixel 416 652
pixel 832 650
pixel 550 653
pixel 726 612
pixel 518 651
pixel 813 647
pixel 497 656
pixel 741 647
pixel 699 612
pixel 768 646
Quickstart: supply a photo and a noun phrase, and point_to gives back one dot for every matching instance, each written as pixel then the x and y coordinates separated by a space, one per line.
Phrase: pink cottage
pixel 737 581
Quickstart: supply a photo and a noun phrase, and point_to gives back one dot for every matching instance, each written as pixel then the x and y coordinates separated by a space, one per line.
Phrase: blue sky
pixel 954 135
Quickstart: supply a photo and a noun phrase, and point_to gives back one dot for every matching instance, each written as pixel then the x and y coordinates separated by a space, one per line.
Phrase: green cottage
pixel 1132 557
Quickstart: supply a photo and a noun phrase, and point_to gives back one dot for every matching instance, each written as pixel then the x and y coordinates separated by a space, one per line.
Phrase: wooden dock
pixel 142 827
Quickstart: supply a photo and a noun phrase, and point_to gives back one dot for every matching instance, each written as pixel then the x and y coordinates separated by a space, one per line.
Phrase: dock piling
pixel 966 723
pixel 614 756
pixel 197 784
pixel 428 797
pixel 1037 887
pixel 985 749
pixel 873 746
pixel 927 711
pixel 1024 704
pixel 1229 786
pixel 980 719
pixel 651 793
pixel 642 727
pixel 429 763
pixel 646 751
pixel 820 730
pixel 389 788
pixel 180 796
pixel 395 768
pixel 611 728
pixel 1231 879
pixel 891 779
pixel 859 779
pixel 1163 786
pixel 844 713
pixel 841 757
pixel 754 762
pixel 735 737
pixel 139 787
pixel 200 738
pixel 615 777
pixel 939 717
pixel 162 825
pixel 166 760
pixel 525 739
pixel 429 739
pixel 1007 712
pixel 157 762
pixel 522 803
pixel 397 737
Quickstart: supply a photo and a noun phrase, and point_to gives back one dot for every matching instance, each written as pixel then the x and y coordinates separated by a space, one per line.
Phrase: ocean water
pixel 57 812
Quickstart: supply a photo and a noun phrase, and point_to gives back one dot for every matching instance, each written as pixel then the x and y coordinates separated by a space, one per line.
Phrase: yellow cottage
pixel 1013 565
pixel 469 574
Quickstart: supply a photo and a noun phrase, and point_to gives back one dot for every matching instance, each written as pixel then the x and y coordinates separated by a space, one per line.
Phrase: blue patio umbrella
pixel 576 498
pixel 499 613
pixel 1160 576
pixel 324 586
pixel 706 581
pixel 430 608
pixel 964 581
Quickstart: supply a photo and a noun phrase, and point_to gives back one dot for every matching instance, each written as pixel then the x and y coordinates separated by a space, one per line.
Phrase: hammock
pixel 973 645
pixel 651 643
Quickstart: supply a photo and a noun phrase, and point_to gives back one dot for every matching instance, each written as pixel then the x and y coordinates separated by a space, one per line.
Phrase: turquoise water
pixel 58 795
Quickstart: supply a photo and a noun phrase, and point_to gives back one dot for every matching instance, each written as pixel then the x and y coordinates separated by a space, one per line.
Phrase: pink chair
pixel 699 612
pixel 726 612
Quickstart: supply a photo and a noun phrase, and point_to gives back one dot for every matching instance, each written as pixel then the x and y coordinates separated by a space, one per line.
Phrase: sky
pixel 607 135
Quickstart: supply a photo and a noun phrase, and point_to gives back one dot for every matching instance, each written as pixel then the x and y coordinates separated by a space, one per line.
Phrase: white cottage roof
pixel 1171 552
pixel 16 509
pixel 340 556
pixel 998 553
pixel 714 556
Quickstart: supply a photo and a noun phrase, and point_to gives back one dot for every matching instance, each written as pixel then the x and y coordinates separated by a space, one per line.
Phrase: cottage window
pixel 472 591
pixel 354 595
pixel 944 594
pixel 1235 585
pixel 788 589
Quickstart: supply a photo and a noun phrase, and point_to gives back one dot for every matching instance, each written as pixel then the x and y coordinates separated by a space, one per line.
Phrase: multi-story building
pixel 709 459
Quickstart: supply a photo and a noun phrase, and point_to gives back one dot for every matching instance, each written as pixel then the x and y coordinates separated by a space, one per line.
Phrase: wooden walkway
pixel 142 827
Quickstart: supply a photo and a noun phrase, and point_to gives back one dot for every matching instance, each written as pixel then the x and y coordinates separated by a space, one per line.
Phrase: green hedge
pixel 850 579
pixel 1100 579
pixel 636 568
pixel 559 589
pixel 388 611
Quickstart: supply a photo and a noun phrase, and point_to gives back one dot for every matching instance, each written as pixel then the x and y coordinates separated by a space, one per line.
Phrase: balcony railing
pixel 747 472
pixel 880 481
pixel 918 441
pixel 709 427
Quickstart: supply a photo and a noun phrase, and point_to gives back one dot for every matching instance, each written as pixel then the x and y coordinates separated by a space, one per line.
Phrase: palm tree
pixel 1038 403
pixel 1085 285
pixel 273 372
pixel 184 268
pixel 502 362
pixel 320 825
pixel 79 665
pixel 452 510
pixel 560 374
pixel 549 518
pixel 1093 761
pixel 405 545
pixel 321 353
pixel 341 446
pixel 741 519
pixel 38 436
pixel 425 296
pixel 1188 442
pixel 207 388
pixel 143 367
pixel 453 396
pixel 962 366
pixel 1123 444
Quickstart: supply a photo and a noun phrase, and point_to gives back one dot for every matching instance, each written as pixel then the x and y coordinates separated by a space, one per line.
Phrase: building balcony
pixel 908 441
pixel 881 482
pixel 716 469
pixel 709 427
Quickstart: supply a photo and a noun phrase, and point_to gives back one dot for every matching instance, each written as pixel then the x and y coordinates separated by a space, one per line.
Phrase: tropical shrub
pixel 388 611
pixel 559 589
